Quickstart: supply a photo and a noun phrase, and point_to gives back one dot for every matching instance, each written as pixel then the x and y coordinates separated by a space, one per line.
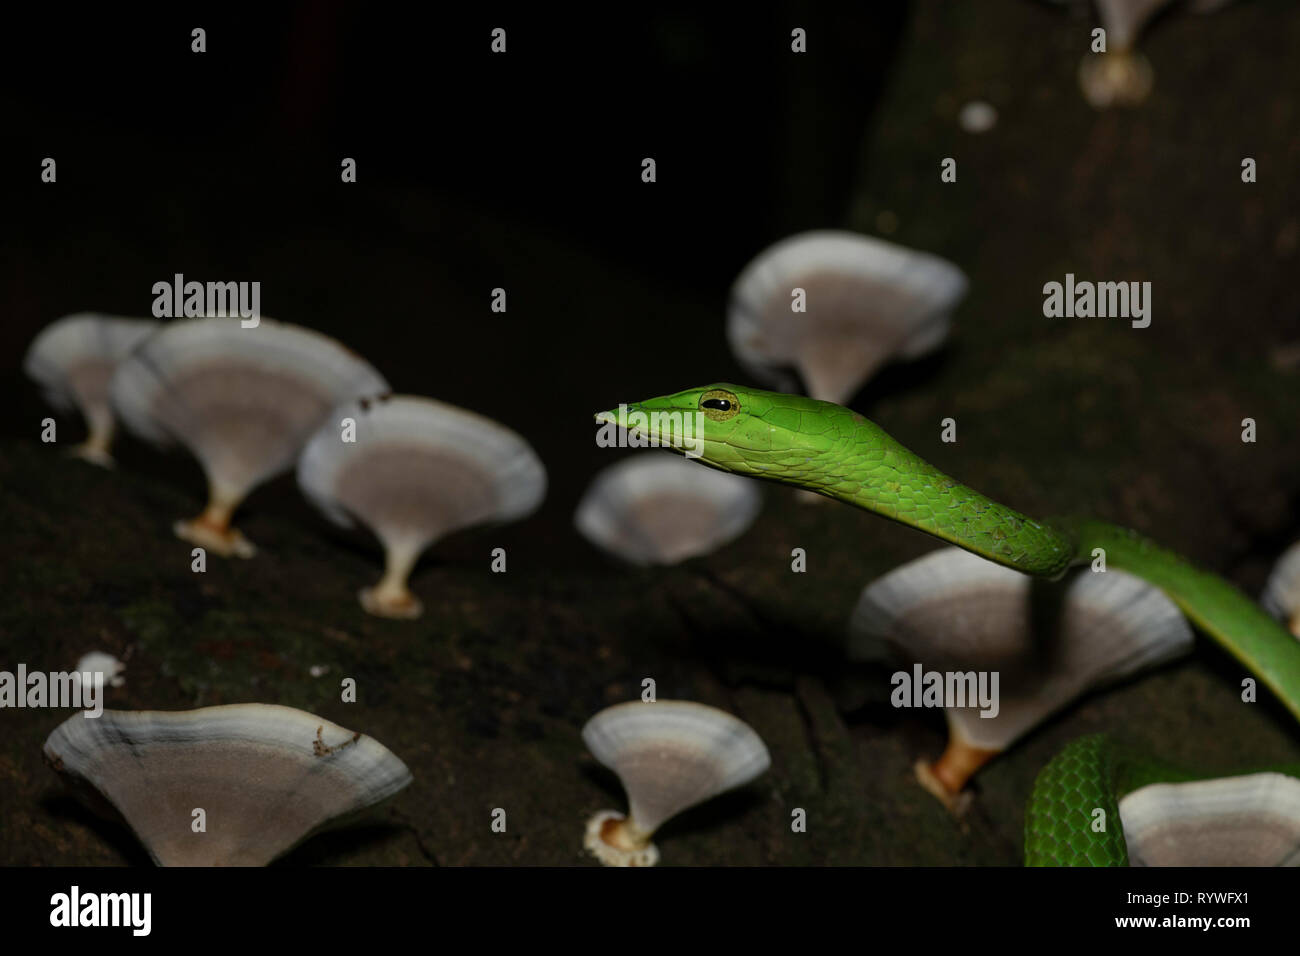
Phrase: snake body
pixel 836 452
pixel 1093 773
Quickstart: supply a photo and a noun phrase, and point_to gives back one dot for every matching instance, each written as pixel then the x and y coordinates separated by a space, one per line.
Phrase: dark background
pixel 474 171
pixel 523 171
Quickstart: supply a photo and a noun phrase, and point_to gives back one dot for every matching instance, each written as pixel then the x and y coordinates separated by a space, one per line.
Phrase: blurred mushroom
pixel 867 302
pixel 98 662
pixel 417 471
pixel 265 777
pixel 1281 596
pixel 1251 820
pixel 1122 76
pixel 955 612
pixel 73 360
pixel 669 755
pixel 243 400
pixel 977 116
pixel 662 509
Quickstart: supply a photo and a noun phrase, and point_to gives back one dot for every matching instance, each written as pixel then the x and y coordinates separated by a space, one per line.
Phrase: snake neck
pixel 844 456
pixel 860 464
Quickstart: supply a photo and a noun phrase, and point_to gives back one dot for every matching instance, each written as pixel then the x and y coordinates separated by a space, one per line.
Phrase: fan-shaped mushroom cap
pixel 243 400
pixel 669 755
pixel 867 301
pixel 73 360
pixel 418 470
pixel 1281 596
pixel 661 509
pixel 952 611
pixel 265 777
pixel 1251 820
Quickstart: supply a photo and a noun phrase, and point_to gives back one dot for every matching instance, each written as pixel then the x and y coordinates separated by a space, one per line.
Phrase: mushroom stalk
pixel 95 449
pixel 624 834
pixel 391 597
pixel 834 374
pixel 946 778
pixel 616 840
pixel 212 530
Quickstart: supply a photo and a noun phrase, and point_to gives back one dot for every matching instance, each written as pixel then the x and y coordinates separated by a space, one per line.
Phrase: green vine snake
pixel 836 452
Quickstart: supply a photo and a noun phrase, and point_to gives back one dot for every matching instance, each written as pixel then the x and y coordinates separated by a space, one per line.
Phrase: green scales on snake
pixel 836 452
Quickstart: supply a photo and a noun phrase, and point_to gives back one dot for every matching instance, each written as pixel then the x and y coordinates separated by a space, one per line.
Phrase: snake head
pixel 741 430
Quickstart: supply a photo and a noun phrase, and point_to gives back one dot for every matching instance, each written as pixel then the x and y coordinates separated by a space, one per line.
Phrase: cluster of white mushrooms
pixel 241 785
pixel 249 403
pixel 952 611
pixel 822 311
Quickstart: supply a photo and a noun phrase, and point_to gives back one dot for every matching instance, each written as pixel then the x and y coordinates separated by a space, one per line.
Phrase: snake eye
pixel 719 404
